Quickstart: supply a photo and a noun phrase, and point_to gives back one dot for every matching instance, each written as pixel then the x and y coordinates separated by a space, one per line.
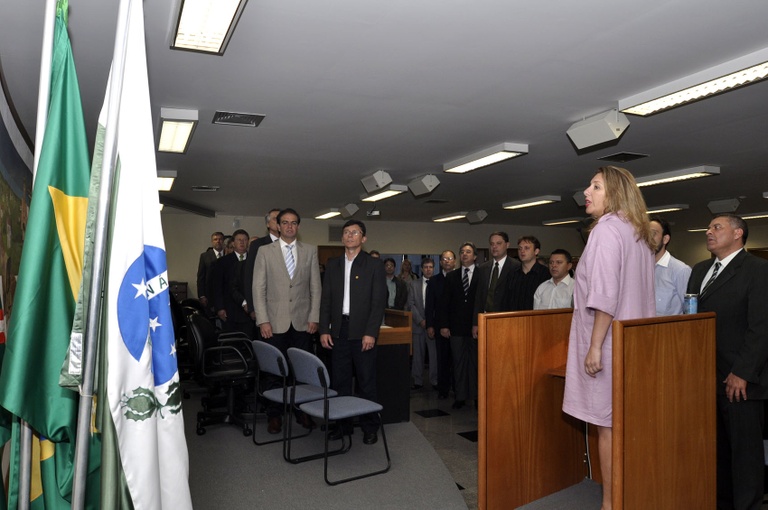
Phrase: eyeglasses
pixel 446 259
pixel 353 233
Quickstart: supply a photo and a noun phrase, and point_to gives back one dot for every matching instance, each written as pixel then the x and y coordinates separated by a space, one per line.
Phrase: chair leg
pixel 366 475
pixel 344 448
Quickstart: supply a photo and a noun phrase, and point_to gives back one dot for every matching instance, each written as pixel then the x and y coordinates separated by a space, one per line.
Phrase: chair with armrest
pixel 270 360
pixel 222 362
pixel 309 369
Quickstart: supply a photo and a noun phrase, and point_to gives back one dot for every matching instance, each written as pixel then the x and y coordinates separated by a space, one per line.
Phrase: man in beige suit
pixel 286 298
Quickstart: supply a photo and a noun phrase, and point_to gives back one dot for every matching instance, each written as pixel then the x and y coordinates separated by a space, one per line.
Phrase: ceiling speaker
pixel 423 185
pixel 598 129
pixel 476 216
pixel 349 210
pixel 378 180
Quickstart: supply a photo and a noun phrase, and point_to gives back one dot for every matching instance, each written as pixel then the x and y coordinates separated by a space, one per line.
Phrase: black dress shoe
pixel 275 425
pixel 370 437
pixel 458 404
pixel 306 421
pixel 338 433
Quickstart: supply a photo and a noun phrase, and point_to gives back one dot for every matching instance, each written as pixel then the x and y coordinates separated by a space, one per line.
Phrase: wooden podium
pixel 663 415
pixel 393 367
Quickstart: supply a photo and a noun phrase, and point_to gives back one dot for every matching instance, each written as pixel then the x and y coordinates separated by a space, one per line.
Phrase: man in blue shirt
pixel 671 276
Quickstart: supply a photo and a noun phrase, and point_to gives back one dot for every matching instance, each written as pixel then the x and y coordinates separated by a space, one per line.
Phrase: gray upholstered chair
pixel 270 360
pixel 309 369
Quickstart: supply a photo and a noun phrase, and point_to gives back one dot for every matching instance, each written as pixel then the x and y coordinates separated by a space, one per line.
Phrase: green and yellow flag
pixel 48 282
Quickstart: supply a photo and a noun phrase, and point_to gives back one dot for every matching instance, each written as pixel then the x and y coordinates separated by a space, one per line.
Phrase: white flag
pixel 143 390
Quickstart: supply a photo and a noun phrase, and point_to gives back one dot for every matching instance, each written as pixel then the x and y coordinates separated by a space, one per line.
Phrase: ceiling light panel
pixel 561 221
pixel 390 191
pixel 176 128
pixel 450 217
pixel 678 175
pixel 715 80
pixel 165 179
pixel 531 202
pixel 207 25
pixel 332 213
pixel 667 208
pixel 486 157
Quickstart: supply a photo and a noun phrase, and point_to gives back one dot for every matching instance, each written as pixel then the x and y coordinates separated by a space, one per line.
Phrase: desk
pixel 393 367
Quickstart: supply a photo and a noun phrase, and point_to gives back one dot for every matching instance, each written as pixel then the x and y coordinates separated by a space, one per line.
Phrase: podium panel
pixel 664 413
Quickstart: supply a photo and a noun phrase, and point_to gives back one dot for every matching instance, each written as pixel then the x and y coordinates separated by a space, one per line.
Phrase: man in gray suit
pixel 421 341
pixel 286 298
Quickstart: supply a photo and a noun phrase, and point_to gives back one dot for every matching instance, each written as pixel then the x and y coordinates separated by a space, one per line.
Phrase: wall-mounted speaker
pixel 376 181
pixel 423 185
pixel 598 129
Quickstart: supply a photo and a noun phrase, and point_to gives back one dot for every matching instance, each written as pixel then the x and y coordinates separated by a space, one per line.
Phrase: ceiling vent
pixel 623 157
pixel 205 189
pixel 237 119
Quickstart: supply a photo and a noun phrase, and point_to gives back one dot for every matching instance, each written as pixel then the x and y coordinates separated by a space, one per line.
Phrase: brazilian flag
pixel 46 293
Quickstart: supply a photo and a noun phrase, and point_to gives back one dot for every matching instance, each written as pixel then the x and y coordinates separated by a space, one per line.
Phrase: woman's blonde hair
pixel 623 195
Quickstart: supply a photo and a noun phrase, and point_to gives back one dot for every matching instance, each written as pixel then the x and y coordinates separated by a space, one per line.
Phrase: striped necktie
pixel 711 278
pixel 465 281
pixel 290 262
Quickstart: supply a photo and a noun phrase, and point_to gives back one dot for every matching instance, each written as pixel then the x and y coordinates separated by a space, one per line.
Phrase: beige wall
pixel 187 235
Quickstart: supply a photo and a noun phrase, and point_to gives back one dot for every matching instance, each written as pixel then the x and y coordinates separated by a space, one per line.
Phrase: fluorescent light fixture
pixel 562 221
pixel 332 213
pixel 486 157
pixel 177 126
pixel 702 229
pixel 715 80
pixel 667 208
pixel 754 216
pixel 765 194
pixel 678 175
pixel 531 202
pixel 165 179
pixel 450 217
pixel 207 25
pixel 390 191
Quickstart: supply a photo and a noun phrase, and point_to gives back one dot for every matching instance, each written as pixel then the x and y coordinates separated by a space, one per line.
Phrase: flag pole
pixel 49 18
pixel 99 251
pixel 44 89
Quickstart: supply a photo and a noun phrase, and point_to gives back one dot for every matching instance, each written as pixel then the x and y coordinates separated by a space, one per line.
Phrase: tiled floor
pixel 453 434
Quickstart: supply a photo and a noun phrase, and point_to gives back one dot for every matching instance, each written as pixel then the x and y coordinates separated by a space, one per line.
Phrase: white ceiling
pixel 351 87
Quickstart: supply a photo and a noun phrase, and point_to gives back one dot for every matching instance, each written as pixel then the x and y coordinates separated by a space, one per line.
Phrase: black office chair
pixel 308 369
pixel 270 359
pixel 222 362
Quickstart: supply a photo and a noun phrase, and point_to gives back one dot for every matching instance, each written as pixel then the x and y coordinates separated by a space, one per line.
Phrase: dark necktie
pixel 711 278
pixel 492 288
pixel 465 281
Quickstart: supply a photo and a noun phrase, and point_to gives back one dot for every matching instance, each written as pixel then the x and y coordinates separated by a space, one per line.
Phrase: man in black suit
pixel 397 289
pixel 431 307
pixel 204 271
pixel 493 278
pixel 273 234
pixel 230 302
pixel 351 312
pixel 735 286
pixel 527 277
pixel 455 320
